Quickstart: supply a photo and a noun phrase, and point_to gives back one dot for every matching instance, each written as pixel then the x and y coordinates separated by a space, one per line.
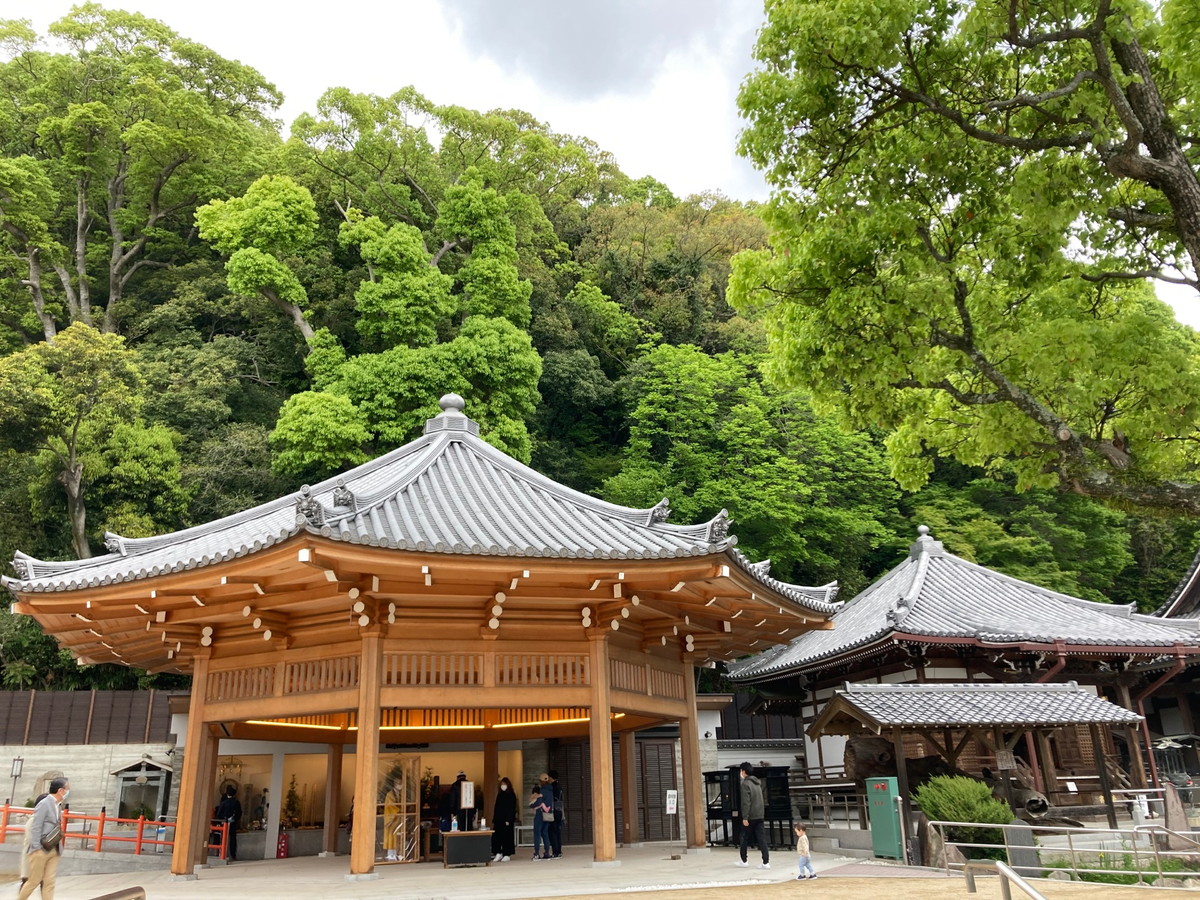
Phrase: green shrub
pixel 953 798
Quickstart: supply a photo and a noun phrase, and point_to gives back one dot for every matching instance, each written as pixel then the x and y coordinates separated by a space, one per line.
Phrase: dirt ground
pixel 908 888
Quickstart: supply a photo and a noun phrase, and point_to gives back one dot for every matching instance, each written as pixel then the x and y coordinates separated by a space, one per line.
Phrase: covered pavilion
pixel 440 593
pixel 946 716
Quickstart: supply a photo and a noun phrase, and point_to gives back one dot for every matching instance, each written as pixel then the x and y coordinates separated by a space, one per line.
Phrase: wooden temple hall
pixel 442 593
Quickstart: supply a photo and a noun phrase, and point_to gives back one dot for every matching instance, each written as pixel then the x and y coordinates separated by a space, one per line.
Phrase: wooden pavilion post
pixel 1137 761
pixel 491 778
pixel 1102 771
pixel 333 799
pixel 902 786
pixel 604 814
pixel 689 740
pixel 192 822
pixel 366 758
pixel 630 813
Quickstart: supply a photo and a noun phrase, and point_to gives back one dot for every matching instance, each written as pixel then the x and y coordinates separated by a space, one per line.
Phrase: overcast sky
pixel 654 82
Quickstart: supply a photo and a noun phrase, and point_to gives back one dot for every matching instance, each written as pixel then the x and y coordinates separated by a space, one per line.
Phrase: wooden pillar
pixel 902 787
pixel 1102 771
pixel 366 758
pixel 491 780
pixel 604 814
pixel 1041 741
pixel 693 781
pixel 333 798
pixel 631 813
pixel 1137 761
pixel 192 825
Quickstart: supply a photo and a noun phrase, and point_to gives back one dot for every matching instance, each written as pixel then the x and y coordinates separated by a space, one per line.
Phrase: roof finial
pixel 451 418
pixel 925 544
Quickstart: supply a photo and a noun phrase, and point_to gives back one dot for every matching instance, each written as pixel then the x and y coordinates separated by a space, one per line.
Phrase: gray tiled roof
pixel 939 595
pixel 450 492
pixel 965 705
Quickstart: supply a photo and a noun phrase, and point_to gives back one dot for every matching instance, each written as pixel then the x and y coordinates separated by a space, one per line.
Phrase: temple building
pixel 938 619
pixel 443 594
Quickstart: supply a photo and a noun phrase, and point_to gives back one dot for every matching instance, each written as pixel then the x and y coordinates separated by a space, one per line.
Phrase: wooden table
pixel 466 848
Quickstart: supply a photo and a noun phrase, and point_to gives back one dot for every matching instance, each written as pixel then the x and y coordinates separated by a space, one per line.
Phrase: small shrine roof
pixel 936 595
pixel 447 492
pixel 879 707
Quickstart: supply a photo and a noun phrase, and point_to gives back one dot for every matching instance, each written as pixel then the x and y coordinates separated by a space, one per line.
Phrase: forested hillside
pixel 198 314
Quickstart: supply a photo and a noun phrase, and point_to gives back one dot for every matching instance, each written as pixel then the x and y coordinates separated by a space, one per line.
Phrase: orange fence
pixel 103 832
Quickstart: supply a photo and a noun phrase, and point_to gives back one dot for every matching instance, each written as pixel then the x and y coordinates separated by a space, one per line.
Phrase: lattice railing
pixel 666 684
pixel 320 675
pixel 548 669
pixel 241 684
pixel 421 669
pixel 627 676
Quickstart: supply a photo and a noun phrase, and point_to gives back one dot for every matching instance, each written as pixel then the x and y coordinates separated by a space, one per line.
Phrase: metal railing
pixel 1007 878
pixel 837 803
pixel 1105 855
pixel 104 832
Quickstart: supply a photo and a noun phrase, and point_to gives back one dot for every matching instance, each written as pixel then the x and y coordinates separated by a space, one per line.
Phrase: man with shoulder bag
pixel 45 841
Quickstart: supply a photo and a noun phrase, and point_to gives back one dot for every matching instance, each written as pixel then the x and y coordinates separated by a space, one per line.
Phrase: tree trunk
pixel 82 226
pixel 294 312
pixel 49 328
pixel 72 479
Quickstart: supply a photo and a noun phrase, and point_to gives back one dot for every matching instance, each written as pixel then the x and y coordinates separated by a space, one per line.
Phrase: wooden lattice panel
pixel 432 669
pixel 241 684
pixel 529 669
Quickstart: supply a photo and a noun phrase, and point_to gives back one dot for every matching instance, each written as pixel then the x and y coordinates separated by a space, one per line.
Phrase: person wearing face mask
pixel 504 821
pixel 43 864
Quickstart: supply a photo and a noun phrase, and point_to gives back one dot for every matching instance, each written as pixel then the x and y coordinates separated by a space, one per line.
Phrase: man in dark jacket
pixel 753 812
pixel 230 810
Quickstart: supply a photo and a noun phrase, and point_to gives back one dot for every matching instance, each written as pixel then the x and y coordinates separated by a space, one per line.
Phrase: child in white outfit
pixel 803 854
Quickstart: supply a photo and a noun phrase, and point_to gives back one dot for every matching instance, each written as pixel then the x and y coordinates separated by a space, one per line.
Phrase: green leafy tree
pixel 933 175
pixel 707 433
pixel 64 398
pixel 131 127
pixel 260 232
pixel 406 298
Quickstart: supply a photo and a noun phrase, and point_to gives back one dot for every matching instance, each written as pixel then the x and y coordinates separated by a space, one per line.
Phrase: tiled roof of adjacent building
pixel 941 596
pixel 967 705
pixel 449 492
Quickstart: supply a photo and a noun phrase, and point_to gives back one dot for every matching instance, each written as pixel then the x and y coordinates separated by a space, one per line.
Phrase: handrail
pixel 133 893
pixel 1007 877
pixel 83 837
pixel 1156 827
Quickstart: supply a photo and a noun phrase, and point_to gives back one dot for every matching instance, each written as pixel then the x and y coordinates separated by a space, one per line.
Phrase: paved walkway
pixel 652 868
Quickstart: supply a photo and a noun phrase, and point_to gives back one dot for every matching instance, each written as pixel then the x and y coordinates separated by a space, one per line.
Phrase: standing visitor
pixel 229 811
pixel 44 849
pixel 537 803
pixel 753 812
pixel 504 823
pixel 554 827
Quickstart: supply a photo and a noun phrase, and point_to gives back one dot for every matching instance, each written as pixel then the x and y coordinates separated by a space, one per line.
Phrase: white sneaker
pixel 741 862
pixel 764 865
pixel 496 858
pixel 505 858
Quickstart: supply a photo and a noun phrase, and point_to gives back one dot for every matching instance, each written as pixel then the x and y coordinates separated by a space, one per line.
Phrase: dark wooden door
pixel 655 758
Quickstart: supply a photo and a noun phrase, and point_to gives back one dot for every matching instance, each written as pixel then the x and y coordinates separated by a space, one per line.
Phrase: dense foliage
pixel 198 315
pixel 954 798
pixel 969 198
